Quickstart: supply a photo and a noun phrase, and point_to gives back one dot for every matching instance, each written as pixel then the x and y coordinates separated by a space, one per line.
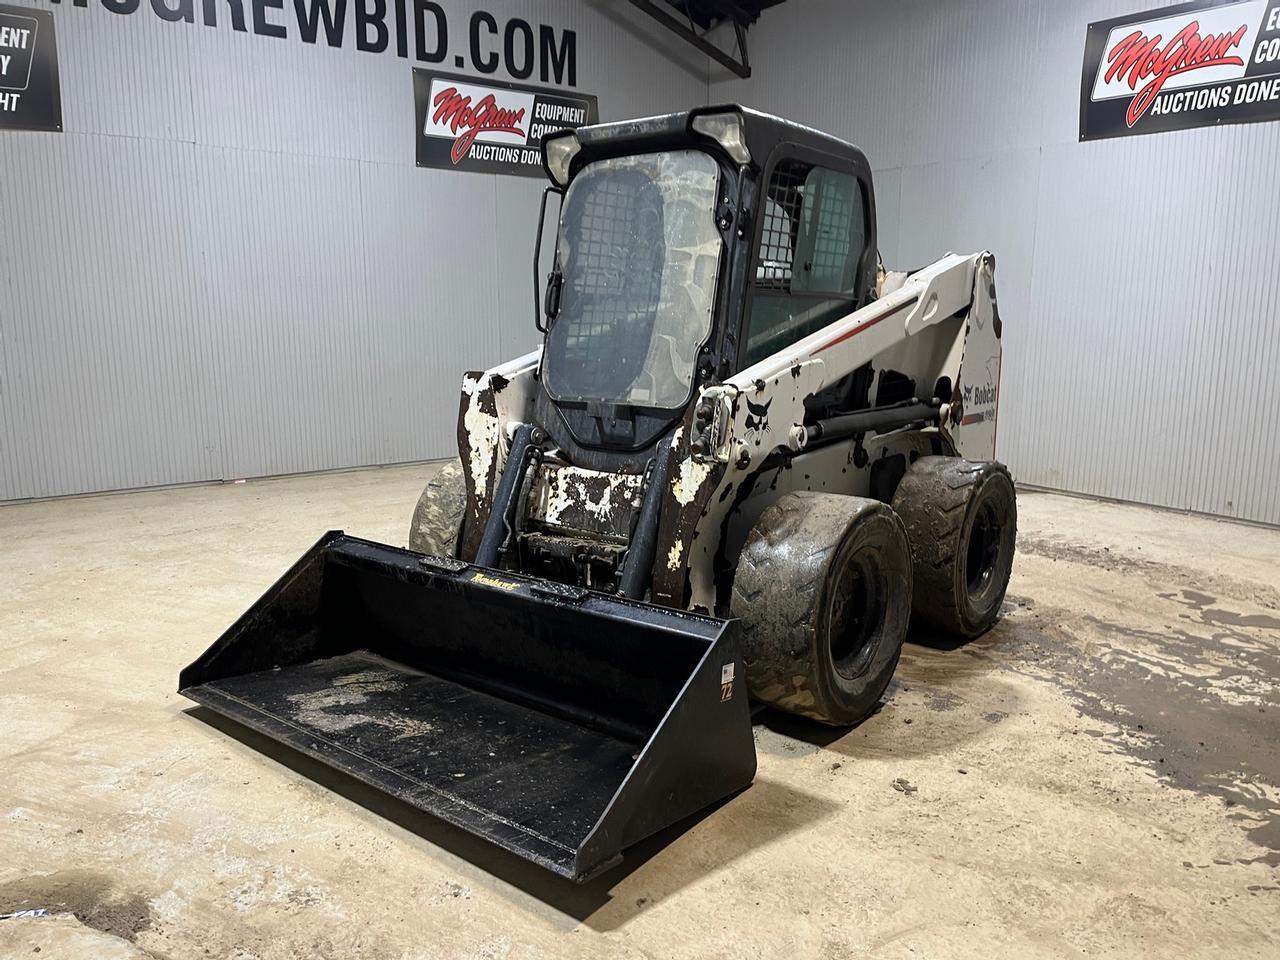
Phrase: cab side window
pixel 812 238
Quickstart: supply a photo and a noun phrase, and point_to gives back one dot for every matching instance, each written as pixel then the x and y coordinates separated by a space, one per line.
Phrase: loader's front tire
pixel 962 521
pixel 823 593
pixel 437 520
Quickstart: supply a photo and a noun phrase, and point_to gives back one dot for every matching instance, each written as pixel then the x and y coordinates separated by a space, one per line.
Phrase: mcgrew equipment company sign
pixel 1192 65
pixel 490 126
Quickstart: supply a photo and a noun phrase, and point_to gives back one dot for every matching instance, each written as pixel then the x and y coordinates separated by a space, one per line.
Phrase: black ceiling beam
pixel 661 12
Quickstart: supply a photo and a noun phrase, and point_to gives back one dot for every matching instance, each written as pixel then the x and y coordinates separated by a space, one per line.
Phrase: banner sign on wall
pixel 30 98
pixel 1191 65
pixel 489 126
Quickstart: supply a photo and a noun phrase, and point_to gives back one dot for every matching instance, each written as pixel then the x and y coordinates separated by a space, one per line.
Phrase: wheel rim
pixel 983 556
pixel 858 606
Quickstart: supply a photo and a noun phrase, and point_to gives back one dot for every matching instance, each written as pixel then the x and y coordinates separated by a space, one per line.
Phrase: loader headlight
pixel 727 129
pixel 558 152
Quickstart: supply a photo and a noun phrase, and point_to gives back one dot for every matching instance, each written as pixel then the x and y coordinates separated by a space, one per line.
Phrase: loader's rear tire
pixel 962 521
pixel 437 520
pixel 823 592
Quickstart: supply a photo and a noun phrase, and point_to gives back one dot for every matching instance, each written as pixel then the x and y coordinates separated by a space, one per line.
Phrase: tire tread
pixel 933 501
pixel 779 649
pixel 437 520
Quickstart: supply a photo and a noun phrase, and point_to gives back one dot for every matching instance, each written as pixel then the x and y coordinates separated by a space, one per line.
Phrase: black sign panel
pixel 1191 65
pixel 489 126
pixel 29 95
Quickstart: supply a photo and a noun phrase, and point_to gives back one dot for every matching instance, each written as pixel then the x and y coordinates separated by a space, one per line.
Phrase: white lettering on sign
pixel 14 37
pixel 562 114
pixel 9 101
pixel 1258 91
pixel 17 53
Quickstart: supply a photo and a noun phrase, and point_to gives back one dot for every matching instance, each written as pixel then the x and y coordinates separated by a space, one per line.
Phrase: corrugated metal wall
pixel 1137 277
pixel 229 266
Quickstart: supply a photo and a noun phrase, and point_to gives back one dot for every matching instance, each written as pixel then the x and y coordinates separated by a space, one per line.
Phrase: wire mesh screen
pixel 613 253
pixel 836 230
pixel 784 202
pixel 813 230
pixel 639 252
pixel 812 237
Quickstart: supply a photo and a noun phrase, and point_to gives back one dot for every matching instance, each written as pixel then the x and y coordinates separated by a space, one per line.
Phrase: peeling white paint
pixel 484 432
pixel 690 475
pixel 676 555
pixel 601 510
pixel 599 495
pixel 552 500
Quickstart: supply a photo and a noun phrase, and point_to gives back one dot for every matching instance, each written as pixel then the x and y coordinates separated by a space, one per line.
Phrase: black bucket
pixel 562 724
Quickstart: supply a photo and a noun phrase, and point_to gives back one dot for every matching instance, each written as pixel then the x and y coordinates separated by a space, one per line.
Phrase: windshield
pixel 639 252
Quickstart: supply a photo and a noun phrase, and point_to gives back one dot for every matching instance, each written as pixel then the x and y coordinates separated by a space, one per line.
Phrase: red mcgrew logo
pixel 455 111
pixel 1138 58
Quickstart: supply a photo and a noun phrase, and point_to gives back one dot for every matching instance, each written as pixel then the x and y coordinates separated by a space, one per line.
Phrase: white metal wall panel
pixel 286 96
pixel 1136 276
pixel 888 190
pixel 281 238
pixel 966 205
pixel 103 382
pixel 517 201
pixel 230 266
pixel 434 308
pixel 126 76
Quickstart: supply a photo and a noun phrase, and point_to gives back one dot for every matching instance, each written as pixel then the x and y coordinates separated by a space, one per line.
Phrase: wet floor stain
pixel 1196 583
pixel 1197 705
pixel 942 701
pixel 1200 603
pixel 1193 697
pixel 95 899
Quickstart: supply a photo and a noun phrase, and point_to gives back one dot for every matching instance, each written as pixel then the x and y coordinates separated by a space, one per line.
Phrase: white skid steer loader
pixel 743 460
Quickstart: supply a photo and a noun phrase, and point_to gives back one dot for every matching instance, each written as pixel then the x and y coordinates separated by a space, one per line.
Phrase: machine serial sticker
pixel 726 682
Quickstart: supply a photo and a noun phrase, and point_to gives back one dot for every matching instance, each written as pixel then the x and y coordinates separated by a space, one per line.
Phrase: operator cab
pixel 690 246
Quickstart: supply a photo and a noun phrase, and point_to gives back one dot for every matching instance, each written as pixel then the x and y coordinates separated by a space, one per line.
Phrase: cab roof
pixel 762 132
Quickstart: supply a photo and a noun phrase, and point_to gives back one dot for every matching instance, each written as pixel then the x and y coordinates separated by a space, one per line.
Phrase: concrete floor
pixel 1099 775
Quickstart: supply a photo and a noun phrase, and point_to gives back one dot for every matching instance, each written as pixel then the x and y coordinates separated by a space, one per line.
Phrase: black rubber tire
pixel 811 564
pixel 437 520
pixel 962 521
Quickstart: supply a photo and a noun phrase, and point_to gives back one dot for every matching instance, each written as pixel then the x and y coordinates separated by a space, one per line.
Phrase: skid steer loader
pixel 744 457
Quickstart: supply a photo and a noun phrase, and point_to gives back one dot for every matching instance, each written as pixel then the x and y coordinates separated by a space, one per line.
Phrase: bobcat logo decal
pixel 757 421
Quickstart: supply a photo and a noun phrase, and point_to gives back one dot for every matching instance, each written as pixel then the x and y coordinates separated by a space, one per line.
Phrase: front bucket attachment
pixel 561 724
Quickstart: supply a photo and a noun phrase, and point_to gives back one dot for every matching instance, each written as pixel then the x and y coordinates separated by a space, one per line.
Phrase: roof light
pixel 728 130
pixel 558 152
